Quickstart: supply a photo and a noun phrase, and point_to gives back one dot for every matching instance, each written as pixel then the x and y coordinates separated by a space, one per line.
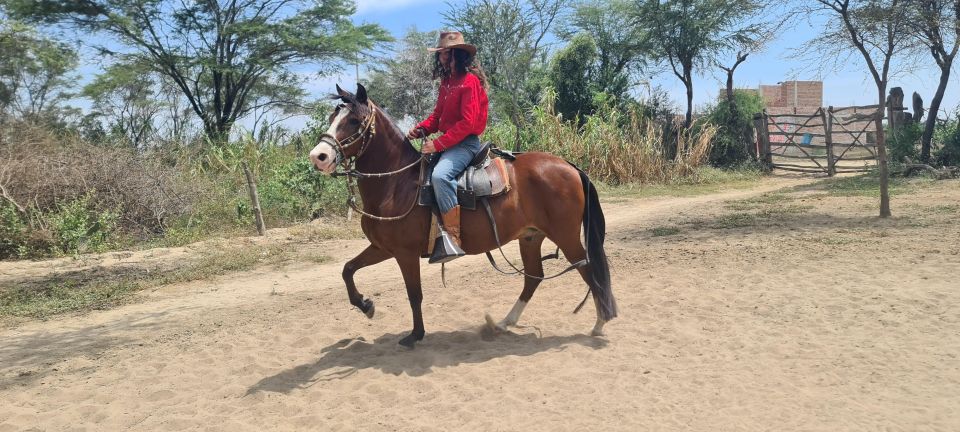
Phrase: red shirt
pixel 461 110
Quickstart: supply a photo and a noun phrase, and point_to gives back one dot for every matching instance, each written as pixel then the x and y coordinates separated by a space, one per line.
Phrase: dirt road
pixel 742 310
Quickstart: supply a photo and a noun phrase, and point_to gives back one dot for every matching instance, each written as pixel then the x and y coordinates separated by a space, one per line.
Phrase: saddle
pixel 486 176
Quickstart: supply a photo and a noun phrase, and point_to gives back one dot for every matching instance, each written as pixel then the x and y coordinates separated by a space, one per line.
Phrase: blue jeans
pixel 453 161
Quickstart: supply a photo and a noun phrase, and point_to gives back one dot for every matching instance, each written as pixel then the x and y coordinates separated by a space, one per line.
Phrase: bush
pixel 947 138
pixel 295 191
pixel 612 146
pixel 902 143
pixel 735 131
pixel 71 228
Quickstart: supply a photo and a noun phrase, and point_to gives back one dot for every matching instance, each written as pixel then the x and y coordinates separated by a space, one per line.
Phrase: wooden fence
pixel 831 140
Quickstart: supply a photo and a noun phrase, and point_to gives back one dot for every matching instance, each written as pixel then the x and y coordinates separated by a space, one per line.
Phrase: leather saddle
pixel 486 176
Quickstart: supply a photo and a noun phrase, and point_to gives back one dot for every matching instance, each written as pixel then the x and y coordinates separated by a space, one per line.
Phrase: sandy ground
pixel 814 315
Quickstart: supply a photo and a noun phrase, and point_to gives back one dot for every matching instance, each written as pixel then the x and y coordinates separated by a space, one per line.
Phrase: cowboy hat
pixel 453 39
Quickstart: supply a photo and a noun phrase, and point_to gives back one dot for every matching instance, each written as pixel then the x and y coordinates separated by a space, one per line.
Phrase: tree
pixel 571 75
pixel 403 84
pixel 692 34
pixel 936 25
pixel 34 73
pixel 874 29
pixel 219 54
pixel 124 97
pixel 623 48
pixel 509 35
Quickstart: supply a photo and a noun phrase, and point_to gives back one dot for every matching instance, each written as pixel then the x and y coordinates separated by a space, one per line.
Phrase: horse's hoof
pixel 597 333
pixel 368 308
pixel 410 341
pixel 493 327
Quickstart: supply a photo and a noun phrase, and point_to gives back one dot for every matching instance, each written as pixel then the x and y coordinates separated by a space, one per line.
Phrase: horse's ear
pixel 361 94
pixel 341 92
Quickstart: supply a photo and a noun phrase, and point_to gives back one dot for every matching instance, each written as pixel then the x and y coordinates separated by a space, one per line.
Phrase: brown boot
pixel 447 246
pixel 451 223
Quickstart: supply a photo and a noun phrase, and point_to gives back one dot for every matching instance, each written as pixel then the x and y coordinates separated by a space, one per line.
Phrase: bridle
pixel 364 136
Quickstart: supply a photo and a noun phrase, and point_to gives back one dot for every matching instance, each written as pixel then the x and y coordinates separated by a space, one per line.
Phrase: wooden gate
pixel 830 141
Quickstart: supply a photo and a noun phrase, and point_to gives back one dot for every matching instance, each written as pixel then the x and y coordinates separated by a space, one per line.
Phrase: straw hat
pixel 453 39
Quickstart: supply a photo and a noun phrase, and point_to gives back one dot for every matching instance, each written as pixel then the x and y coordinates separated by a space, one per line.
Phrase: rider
pixel 460 115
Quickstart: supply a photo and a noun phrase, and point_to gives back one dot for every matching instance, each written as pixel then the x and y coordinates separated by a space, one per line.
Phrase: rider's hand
pixel 428 148
pixel 415 132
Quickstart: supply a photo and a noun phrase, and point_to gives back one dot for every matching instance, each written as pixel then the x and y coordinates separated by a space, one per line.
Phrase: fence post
pixel 757 144
pixel 765 141
pixel 827 117
pixel 254 199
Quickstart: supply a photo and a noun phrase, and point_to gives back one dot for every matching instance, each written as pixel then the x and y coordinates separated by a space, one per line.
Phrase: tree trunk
pixel 931 123
pixel 882 153
pixel 688 82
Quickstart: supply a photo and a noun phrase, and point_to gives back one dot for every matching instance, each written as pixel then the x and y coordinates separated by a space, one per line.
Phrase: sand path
pixel 832 321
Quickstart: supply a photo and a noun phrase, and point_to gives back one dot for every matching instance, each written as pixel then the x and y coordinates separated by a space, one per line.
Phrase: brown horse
pixel 550 198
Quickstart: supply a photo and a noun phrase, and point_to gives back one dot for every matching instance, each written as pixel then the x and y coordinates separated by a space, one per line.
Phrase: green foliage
pixel 623 48
pixel 613 146
pixel 229 57
pixel 902 143
pixel 295 191
pixel 691 34
pixel 78 227
pixel 947 137
pixel 403 83
pixel 570 75
pixel 73 227
pixel 735 127
pixel 34 74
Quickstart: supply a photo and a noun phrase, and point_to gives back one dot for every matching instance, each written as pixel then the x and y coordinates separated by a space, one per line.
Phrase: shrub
pixel 735 132
pixel 612 146
pixel 948 140
pixel 902 142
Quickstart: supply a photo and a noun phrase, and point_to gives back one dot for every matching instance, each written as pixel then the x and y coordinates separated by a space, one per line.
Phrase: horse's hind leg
pixel 370 256
pixel 533 266
pixel 573 250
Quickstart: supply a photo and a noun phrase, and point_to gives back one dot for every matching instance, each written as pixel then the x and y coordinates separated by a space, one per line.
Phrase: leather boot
pixel 447 246
pixel 451 223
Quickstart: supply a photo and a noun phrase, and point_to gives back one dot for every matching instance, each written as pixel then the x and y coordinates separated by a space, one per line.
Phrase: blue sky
pixel 851 85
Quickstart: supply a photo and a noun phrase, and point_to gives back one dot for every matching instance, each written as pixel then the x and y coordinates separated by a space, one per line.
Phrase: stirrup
pixel 445 249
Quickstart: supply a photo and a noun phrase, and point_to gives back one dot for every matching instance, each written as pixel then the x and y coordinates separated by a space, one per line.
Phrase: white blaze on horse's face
pixel 324 156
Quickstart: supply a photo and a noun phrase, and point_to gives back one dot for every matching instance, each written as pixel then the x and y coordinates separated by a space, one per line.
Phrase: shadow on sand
pixel 437 350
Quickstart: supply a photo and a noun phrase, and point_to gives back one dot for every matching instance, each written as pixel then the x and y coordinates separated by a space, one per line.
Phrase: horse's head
pixel 351 129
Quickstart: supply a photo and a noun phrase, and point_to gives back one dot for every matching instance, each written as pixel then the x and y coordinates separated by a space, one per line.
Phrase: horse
pixel 550 198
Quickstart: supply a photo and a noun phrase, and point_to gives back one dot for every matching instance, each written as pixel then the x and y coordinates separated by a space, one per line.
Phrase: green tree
pixel 692 34
pixel 34 74
pixel 571 75
pixel 623 48
pixel 124 98
pixel 735 127
pixel 936 25
pixel 219 54
pixel 403 84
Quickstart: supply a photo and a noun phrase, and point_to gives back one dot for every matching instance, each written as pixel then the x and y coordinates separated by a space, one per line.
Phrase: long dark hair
pixel 463 62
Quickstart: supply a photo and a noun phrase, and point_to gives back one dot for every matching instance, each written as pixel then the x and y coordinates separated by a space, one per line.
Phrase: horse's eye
pixel 354 122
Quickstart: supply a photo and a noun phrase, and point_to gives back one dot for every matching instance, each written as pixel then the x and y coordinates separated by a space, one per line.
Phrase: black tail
pixel 595 230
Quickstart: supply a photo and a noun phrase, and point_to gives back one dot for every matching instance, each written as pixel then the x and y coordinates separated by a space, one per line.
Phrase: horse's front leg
pixel 370 256
pixel 410 267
